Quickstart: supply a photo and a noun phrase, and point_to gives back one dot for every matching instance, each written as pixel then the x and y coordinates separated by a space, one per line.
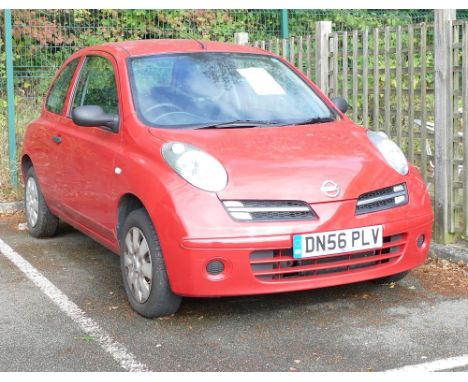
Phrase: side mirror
pixel 341 104
pixel 93 115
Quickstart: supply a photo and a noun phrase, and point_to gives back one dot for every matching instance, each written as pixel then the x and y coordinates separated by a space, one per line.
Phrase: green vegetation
pixel 43 39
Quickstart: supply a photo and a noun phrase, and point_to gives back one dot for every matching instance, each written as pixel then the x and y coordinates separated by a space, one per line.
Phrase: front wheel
pixel 143 269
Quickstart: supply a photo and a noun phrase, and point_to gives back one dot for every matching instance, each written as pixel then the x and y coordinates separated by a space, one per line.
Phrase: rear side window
pixel 59 89
pixel 96 85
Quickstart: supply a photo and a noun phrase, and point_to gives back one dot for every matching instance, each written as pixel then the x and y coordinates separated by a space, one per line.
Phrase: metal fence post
pixel 443 201
pixel 284 30
pixel 284 23
pixel 10 99
pixel 323 30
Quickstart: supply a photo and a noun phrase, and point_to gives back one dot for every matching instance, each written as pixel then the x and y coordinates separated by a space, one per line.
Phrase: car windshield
pixel 200 90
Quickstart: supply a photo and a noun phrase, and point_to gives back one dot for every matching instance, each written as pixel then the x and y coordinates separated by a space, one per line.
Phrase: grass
pixel 27 109
pixel 8 192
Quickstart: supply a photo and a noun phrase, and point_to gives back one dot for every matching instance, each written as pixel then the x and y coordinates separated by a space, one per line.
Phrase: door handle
pixel 57 139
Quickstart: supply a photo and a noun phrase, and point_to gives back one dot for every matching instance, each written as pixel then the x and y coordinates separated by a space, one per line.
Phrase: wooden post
pixel 411 104
pixel 399 66
pixel 387 81
pixel 424 142
pixel 376 111
pixel 355 76
pixel 345 65
pixel 443 123
pixel 323 29
pixel 241 38
pixel 465 125
pixel 365 78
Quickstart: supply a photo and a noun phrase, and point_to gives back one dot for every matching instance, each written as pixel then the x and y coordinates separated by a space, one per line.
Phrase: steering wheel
pixel 173 112
pixel 203 97
pixel 160 105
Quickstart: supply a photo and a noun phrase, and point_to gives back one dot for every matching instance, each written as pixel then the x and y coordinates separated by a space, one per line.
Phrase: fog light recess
pixel 215 267
pixel 421 240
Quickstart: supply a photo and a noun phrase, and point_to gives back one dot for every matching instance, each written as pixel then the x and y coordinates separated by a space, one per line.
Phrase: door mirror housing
pixel 93 115
pixel 341 104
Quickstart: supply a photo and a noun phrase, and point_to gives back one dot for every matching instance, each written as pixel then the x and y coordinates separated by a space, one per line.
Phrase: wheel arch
pixel 26 164
pixel 128 202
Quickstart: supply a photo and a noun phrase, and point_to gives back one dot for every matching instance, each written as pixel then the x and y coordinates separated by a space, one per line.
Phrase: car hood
pixel 292 162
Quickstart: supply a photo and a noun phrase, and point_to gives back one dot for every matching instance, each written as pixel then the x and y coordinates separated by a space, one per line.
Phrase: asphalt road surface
pixel 358 327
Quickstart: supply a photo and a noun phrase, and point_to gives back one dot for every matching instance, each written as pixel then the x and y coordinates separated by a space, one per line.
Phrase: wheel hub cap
pixel 32 202
pixel 138 267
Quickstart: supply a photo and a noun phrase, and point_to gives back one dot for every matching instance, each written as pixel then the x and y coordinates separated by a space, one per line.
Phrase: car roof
pixel 148 47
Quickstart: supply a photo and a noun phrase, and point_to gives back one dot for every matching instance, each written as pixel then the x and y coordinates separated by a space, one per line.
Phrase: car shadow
pixel 105 267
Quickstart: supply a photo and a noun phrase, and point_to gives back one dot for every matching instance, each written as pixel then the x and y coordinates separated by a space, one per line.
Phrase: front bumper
pixel 239 279
pixel 187 257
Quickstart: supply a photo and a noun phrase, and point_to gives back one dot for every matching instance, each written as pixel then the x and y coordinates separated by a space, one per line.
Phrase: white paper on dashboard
pixel 261 81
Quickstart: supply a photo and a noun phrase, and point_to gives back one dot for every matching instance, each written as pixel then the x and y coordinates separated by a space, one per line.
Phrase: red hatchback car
pixel 218 170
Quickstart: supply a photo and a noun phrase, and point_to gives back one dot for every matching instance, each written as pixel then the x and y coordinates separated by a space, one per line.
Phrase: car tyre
pixel 391 279
pixel 143 269
pixel 41 222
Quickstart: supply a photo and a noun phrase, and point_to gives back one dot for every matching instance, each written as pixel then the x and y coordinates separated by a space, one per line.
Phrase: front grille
pixel 280 265
pixel 268 210
pixel 382 199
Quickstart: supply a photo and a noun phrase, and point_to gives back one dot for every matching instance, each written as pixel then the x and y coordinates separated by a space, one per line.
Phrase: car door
pixel 47 136
pixel 89 194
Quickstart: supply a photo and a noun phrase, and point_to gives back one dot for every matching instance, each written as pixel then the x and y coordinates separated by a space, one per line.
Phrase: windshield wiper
pixel 238 123
pixel 261 123
pixel 315 120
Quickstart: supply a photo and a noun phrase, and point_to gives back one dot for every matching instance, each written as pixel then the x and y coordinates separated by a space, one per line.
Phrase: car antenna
pixel 202 44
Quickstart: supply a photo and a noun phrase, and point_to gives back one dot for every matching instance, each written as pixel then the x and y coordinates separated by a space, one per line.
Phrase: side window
pixel 96 85
pixel 59 89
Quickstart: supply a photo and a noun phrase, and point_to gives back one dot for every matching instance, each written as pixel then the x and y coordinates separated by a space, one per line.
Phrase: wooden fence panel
pixel 396 63
pixel 388 77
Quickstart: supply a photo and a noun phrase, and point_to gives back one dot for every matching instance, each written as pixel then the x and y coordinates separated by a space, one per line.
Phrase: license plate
pixel 333 242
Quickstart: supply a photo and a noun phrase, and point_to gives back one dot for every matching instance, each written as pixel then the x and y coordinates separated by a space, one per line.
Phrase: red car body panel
pixel 293 159
pixel 80 184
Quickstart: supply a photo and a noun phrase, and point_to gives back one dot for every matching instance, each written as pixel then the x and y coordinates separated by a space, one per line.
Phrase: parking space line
pixel 118 351
pixel 438 365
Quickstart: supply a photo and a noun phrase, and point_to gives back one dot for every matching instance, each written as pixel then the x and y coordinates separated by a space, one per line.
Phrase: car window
pixel 97 86
pixel 193 89
pixel 59 89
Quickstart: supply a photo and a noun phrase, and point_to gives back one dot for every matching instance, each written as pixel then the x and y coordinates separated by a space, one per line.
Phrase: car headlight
pixel 390 151
pixel 195 165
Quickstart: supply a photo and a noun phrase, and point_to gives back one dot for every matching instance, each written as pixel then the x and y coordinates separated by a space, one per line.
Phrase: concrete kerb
pixel 452 252
pixel 7 208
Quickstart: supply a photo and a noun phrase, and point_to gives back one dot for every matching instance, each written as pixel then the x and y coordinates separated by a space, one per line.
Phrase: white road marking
pixel 438 365
pixel 118 351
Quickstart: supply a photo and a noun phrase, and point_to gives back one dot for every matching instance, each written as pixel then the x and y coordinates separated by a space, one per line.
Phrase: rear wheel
pixel 41 222
pixel 391 279
pixel 143 269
